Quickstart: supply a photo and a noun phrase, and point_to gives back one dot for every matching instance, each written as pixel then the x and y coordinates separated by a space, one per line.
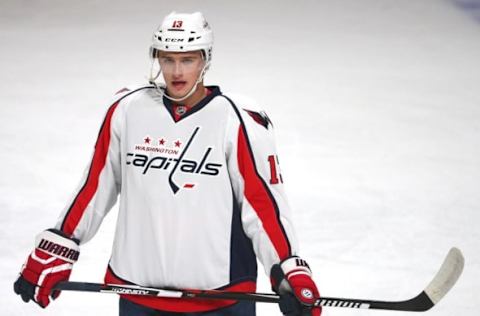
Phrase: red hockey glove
pixel 292 280
pixel 50 263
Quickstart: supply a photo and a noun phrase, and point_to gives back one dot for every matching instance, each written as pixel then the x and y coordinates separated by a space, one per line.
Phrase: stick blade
pixel 447 276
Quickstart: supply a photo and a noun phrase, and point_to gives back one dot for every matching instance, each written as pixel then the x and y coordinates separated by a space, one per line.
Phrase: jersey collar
pixel 215 90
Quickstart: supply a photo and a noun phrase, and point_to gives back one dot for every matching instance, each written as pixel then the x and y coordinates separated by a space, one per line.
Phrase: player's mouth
pixel 179 84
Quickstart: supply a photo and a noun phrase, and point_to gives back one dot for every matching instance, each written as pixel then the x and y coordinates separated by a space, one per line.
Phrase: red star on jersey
pixel 161 141
pixel 177 143
pixel 147 140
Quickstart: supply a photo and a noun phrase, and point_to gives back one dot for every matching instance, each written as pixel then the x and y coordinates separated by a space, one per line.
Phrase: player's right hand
pixel 49 263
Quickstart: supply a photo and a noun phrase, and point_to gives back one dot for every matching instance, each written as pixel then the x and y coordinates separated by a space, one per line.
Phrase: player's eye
pixel 166 60
pixel 188 61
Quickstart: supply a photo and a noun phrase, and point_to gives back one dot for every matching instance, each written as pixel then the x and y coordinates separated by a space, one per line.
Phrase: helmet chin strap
pixel 162 89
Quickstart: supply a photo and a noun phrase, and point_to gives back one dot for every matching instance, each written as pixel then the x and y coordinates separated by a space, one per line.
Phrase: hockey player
pixel 201 196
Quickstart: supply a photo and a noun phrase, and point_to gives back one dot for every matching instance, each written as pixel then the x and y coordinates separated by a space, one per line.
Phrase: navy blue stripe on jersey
pixel 243 262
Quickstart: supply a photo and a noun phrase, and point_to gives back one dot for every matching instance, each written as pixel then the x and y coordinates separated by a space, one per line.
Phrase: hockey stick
pixel 442 282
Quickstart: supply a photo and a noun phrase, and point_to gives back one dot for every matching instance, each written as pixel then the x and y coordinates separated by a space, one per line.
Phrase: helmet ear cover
pixel 153 52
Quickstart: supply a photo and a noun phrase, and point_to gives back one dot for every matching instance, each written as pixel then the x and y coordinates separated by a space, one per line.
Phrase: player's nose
pixel 177 70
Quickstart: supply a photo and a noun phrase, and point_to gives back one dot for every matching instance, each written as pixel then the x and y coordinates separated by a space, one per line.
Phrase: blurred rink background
pixel 376 105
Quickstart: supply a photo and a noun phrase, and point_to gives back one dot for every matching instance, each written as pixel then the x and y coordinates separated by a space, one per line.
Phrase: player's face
pixel 180 71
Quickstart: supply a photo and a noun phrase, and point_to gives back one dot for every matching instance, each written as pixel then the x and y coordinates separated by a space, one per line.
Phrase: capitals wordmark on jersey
pixel 172 164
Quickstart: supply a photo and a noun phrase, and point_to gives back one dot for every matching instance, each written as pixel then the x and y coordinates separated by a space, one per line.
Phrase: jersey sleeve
pixel 100 185
pixel 258 186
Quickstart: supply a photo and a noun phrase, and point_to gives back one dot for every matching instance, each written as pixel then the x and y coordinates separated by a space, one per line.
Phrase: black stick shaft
pixel 419 303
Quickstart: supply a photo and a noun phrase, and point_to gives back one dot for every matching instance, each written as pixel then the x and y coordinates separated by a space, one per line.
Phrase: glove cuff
pixel 283 271
pixel 295 265
pixel 57 245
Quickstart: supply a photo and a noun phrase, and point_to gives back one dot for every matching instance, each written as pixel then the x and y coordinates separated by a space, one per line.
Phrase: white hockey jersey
pixel 200 192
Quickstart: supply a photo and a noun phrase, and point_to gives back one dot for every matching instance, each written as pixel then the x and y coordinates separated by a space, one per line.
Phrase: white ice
pixel 376 104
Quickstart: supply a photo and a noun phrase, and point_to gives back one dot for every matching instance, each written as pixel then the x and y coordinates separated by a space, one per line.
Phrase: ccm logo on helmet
pixel 174 40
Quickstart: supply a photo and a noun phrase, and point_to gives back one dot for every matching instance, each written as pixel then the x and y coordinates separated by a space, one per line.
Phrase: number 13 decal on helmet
pixel 275 176
pixel 177 24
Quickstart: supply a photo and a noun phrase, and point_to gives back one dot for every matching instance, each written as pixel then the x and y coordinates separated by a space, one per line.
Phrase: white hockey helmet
pixel 183 32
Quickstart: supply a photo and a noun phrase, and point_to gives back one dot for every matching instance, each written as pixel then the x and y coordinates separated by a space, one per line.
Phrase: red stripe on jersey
pixel 257 194
pixel 88 190
pixel 180 305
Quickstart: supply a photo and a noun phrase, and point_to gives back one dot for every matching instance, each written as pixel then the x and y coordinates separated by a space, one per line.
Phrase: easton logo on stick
pixel 130 291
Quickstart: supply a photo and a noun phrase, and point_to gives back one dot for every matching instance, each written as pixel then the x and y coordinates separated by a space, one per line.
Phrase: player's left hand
pixel 292 280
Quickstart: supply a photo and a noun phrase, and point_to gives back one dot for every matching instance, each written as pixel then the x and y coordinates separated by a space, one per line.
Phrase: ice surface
pixel 376 105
